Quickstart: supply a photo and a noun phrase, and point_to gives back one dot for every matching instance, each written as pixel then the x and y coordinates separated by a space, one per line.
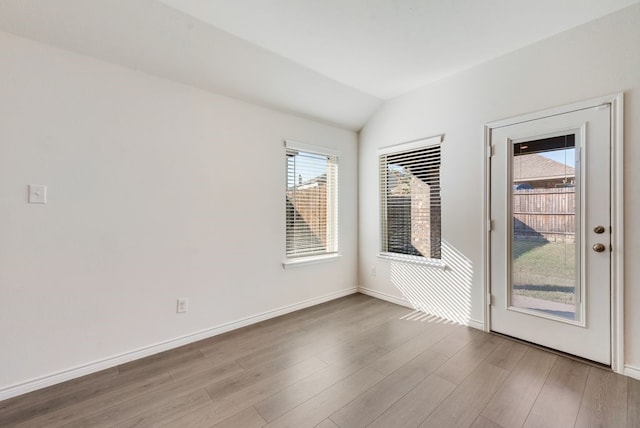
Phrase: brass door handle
pixel 598 248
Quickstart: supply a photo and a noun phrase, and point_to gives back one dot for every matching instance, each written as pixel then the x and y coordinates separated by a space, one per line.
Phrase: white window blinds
pixel 311 201
pixel 410 209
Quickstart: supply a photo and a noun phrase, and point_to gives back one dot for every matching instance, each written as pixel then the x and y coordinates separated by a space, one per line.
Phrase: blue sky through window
pixel 565 157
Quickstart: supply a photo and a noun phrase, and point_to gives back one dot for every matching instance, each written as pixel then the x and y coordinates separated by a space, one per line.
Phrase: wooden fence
pixel 307 219
pixel 544 214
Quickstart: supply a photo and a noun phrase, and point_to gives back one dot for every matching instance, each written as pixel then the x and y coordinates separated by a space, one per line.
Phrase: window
pixel 410 211
pixel 311 201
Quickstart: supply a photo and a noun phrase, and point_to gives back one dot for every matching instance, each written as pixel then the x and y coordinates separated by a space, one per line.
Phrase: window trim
pixel 411 145
pixel 416 260
pixel 310 260
pixel 290 144
pixel 291 262
pixel 385 255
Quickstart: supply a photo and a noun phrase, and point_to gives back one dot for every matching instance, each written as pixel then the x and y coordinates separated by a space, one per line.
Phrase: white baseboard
pixel 96 366
pixel 387 297
pixel 478 325
pixel 404 302
pixel 631 371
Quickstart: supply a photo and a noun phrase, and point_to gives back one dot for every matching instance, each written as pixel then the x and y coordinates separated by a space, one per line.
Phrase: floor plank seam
pixel 439 404
pixel 582 393
pixel 264 418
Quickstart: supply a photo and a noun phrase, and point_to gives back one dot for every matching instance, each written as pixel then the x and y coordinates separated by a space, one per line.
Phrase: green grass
pixel 544 270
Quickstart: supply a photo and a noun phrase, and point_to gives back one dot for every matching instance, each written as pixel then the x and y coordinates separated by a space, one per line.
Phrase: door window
pixel 545 263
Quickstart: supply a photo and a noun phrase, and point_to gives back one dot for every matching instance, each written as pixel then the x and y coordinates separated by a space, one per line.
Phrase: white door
pixel 550 240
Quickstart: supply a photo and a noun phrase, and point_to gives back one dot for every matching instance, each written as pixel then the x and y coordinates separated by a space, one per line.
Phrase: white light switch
pixel 183 305
pixel 37 194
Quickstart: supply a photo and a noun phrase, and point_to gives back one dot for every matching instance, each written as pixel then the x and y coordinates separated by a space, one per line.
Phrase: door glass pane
pixel 545 260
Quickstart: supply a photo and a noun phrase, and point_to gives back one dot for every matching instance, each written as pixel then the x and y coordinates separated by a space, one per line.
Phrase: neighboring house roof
pixel 319 180
pixel 536 167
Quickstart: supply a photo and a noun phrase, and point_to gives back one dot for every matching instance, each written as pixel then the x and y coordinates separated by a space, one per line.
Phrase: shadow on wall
pixel 445 292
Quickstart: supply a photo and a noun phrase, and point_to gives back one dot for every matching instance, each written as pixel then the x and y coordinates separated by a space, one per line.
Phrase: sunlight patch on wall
pixel 434 291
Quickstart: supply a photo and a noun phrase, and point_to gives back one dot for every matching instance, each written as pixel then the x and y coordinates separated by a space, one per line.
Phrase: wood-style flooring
pixel 352 362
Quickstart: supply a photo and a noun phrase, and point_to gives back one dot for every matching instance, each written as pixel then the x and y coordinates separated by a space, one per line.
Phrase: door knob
pixel 598 229
pixel 598 248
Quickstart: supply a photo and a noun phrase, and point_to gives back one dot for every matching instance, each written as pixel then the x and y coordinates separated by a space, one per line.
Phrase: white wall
pixel 596 59
pixel 155 191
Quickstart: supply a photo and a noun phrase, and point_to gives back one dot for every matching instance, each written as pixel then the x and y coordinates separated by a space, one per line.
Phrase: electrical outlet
pixel 183 305
pixel 372 272
pixel 37 194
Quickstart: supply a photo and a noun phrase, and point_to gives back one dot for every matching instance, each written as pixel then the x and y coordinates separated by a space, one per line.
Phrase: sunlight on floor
pixel 420 316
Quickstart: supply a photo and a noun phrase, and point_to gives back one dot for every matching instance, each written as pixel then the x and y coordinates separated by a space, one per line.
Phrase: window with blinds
pixel 311 201
pixel 410 209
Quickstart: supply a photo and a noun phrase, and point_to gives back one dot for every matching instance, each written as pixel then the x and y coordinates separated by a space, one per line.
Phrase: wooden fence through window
pixel 544 214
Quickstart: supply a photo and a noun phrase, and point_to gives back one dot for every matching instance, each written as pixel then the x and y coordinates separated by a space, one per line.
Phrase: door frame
pixel 617 212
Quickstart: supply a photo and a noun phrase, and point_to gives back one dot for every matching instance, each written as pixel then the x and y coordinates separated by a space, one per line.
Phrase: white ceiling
pixel 388 47
pixel 332 60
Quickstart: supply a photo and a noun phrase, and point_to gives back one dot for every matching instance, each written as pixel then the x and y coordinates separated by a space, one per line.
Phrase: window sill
pixel 422 261
pixel 304 261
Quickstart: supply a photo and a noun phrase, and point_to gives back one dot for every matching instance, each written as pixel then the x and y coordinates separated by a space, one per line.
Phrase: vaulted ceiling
pixel 331 60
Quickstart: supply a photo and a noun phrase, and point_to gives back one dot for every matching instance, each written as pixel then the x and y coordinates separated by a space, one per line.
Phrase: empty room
pixel 344 213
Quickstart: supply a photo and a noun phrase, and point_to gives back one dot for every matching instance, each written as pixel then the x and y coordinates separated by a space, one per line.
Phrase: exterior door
pixel 551 235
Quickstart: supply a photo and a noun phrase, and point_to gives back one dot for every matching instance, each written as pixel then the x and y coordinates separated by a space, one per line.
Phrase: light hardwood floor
pixel 352 362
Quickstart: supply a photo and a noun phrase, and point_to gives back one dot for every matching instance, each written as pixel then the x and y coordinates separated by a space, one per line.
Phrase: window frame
pixel 332 205
pixel 384 254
